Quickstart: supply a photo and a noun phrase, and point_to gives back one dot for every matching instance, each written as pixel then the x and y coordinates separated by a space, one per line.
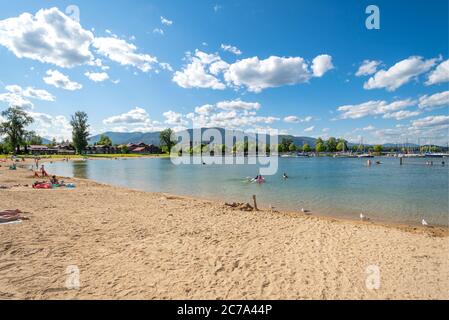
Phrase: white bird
pixel 363 218
pixel 307 212
pixel 424 223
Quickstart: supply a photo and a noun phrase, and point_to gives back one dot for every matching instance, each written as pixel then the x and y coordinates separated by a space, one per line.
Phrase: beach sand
pixel 138 245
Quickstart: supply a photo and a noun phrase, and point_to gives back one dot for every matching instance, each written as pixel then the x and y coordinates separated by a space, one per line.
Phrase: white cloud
pixel 59 80
pixel 369 128
pixel 31 92
pixel 440 74
pixel 197 75
pixel 49 36
pixel 295 119
pixel 238 105
pixel 136 115
pixel 431 121
pixel 97 76
pixel 15 100
pixel 49 126
pixel 322 64
pixel 258 75
pixel 401 115
pixel 434 101
pixel 204 71
pixel 174 118
pixel 401 73
pixel 367 68
pixel 124 53
pixel 158 31
pixel 166 22
pixel 373 108
pixel 310 129
pixel 232 49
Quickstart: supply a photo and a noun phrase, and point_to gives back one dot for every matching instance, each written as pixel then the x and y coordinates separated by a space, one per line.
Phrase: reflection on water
pixel 340 187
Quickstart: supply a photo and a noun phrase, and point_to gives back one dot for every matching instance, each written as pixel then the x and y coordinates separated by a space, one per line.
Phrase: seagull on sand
pixel 424 223
pixel 305 211
pixel 363 218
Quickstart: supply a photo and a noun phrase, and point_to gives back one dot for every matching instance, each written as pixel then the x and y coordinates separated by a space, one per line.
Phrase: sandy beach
pixel 129 244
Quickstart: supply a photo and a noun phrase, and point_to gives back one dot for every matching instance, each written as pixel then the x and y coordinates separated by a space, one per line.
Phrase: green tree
pixel 80 131
pixel 14 126
pixel 342 145
pixel 331 144
pixel 378 148
pixel 306 148
pixel 285 144
pixel 105 141
pixel 167 138
pixel 292 147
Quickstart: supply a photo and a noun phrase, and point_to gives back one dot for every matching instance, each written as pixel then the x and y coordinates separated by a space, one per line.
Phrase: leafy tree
pixel 331 144
pixel 285 144
pixel 292 147
pixel 306 148
pixel 105 141
pixel 378 148
pixel 342 145
pixel 14 126
pixel 80 131
pixel 320 147
pixel 167 138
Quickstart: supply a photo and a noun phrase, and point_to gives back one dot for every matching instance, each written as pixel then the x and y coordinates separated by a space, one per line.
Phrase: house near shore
pixel 38 150
pixel 142 148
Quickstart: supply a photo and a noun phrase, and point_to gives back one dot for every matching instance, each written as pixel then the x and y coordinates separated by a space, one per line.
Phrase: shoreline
pixel 131 244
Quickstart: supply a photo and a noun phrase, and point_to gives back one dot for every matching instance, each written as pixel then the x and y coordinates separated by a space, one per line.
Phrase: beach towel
pixel 43 186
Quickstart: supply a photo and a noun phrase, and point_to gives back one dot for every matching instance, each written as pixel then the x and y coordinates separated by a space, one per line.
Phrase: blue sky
pixel 308 68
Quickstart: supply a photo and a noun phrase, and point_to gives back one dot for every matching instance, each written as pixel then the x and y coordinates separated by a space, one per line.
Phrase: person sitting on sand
pixel 54 180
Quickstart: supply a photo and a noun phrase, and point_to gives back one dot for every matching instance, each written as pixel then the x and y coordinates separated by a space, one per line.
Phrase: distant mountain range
pixel 153 137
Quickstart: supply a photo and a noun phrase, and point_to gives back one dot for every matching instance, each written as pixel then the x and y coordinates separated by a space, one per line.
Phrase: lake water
pixel 338 187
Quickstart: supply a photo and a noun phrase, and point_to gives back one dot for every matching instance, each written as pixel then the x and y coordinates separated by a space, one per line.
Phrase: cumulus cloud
pixel 258 75
pixel 31 92
pixel 401 115
pixel 401 73
pixel 367 68
pixel 166 22
pixel 135 120
pixel 97 76
pixel 174 118
pixel 49 126
pixel 49 36
pixel 136 115
pixel 60 80
pixel 196 74
pixel 440 74
pixel 322 64
pixel 295 119
pixel 432 122
pixel 19 97
pixel 235 114
pixel 434 101
pixel 124 53
pixel 374 108
pixel 205 71
pixel 232 49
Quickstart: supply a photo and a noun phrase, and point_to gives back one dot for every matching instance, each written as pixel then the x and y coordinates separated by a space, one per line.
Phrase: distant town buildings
pixel 68 149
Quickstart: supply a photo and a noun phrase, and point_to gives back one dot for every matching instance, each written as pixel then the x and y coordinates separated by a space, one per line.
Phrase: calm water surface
pixel 336 187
